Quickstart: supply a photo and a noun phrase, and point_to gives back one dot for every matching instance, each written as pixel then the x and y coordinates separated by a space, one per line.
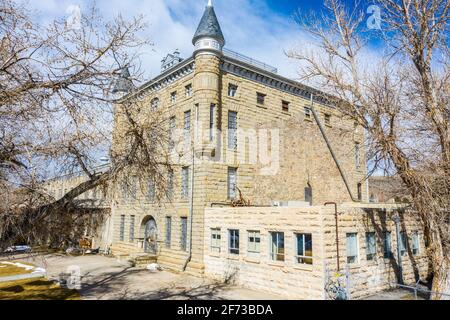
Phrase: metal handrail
pixel 251 61
pixel 416 289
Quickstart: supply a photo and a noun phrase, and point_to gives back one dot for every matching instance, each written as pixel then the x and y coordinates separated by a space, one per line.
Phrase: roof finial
pixel 210 3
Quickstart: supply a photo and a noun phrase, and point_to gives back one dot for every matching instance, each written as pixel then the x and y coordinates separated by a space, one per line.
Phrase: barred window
pixel 187 128
pixel 185 182
pixel 168 231
pixel 132 222
pixel 232 130
pixel 122 228
pixel 183 238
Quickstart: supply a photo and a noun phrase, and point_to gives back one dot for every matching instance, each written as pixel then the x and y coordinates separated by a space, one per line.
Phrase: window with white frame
pixel 173 97
pixel 172 128
pixel 168 231
pixel 308 113
pixel 233 241
pixel 403 243
pixel 185 182
pixel 304 248
pixel 187 129
pixel 387 245
pixel 212 122
pixel 352 247
pixel 215 240
pixel 357 155
pixel 154 103
pixel 277 246
pixel 371 246
pixel 232 183
pixel 132 222
pixel 232 130
pixel 232 90
pixel 122 228
pixel 415 247
pixel 188 90
pixel 254 242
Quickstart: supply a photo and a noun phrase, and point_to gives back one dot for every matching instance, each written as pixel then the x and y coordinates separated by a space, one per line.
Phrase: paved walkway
pixel 105 278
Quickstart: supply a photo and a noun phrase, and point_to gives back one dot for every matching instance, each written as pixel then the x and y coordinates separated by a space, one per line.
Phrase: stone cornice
pixel 272 80
pixel 166 78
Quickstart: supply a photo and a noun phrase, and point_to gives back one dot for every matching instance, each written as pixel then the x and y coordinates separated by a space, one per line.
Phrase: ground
pixel 105 278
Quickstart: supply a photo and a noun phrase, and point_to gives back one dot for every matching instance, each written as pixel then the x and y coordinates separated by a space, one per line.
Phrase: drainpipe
pixel 337 232
pixel 322 130
pixel 191 199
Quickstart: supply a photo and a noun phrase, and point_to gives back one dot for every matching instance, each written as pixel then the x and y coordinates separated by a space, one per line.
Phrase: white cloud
pixel 253 30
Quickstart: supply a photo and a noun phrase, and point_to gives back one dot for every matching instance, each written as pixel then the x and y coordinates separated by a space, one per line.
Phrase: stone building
pixel 252 137
pixel 257 135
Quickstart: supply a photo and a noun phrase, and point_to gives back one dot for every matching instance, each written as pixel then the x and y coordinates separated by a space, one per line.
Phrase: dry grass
pixel 9 270
pixel 36 289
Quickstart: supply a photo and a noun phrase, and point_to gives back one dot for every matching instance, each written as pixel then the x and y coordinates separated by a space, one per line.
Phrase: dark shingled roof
pixel 209 27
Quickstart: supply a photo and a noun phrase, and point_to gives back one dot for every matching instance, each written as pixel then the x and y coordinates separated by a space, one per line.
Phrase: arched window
pixel 155 103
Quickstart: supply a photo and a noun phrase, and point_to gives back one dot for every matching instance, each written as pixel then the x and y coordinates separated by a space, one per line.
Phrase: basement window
pixel 233 241
pixel 387 245
pixel 304 248
pixel 215 240
pixel 277 246
pixel 254 241
pixel 371 248
pixel 352 247
pixel 415 243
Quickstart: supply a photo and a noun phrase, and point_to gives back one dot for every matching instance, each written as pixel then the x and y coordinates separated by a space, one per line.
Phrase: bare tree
pixel 401 97
pixel 56 111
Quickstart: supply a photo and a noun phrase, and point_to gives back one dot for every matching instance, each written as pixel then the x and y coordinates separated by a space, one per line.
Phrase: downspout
pixel 191 200
pixel 322 130
pixel 337 232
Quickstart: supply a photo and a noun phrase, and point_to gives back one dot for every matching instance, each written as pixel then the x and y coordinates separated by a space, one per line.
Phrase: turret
pixel 208 37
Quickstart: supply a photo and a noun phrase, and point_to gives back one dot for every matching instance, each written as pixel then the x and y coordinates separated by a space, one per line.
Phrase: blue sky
pixel 261 29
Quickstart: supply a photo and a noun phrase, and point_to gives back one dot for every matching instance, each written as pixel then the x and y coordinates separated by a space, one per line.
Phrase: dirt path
pixel 107 278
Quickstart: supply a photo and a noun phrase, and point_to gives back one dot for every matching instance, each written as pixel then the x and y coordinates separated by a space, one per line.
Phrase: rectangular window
pixel 185 182
pixel 357 157
pixel 233 241
pixel 215 240
pixel 403 243
pixel 260 98
pixel 352 247
pixel 277 246
pixel 232 130
pixel 133 188
pixel 415 243
pixel 188 90
pixel 187 128
pixel 170 183
pixel 387 245
pixel 232 183
pixel 172 128
pixel 304 248
pixel 168 231
pixel 371 246
pixel 308 115
pixel 212 122
pixel 254 242
pixel 285 106
pixel 132 221
pixel 122 228
pixel 124 191
pixel 359 191
pixel 183 236
pixel 173 97
pixel 327 118
pixel 232 90
pixel 151 190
